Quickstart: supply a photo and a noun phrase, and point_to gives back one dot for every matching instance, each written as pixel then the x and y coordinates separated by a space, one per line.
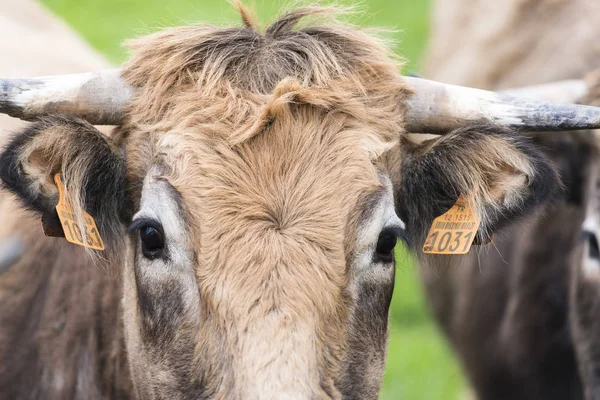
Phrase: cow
pixel 522 315
pixel 248 203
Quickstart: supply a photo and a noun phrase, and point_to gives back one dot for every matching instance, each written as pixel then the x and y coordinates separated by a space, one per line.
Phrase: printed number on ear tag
pixel 68 220
pixel 454 231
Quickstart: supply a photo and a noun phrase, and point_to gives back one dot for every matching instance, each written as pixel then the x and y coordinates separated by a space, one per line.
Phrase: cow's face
pixel 261 268
pixel 260 212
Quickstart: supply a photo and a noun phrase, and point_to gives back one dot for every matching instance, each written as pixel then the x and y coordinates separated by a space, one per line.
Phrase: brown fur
pixel 61 335
pixel 509 311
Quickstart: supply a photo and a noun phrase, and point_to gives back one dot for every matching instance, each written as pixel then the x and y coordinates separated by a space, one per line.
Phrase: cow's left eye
pixel 384 252
pixel 153 242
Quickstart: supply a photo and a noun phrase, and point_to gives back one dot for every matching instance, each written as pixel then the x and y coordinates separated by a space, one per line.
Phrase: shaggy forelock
pixel 201 84
pixel 244 62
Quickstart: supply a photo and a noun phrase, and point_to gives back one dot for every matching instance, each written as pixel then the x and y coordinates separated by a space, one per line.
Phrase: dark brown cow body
pixel 65 329
pixel 60 323
pixel 521 314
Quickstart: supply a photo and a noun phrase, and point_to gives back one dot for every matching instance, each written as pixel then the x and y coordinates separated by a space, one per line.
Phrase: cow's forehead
pixel 291 199
pixel 238 108
pixel 301 168
pixel 283 159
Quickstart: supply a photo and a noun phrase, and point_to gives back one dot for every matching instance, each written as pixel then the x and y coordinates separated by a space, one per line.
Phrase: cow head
pixel 254 191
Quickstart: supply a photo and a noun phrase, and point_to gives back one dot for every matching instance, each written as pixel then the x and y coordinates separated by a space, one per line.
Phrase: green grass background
pixel 420 364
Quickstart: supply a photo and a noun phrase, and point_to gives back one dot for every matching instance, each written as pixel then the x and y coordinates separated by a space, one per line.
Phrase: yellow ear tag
pixel 454 231
pixel 69 222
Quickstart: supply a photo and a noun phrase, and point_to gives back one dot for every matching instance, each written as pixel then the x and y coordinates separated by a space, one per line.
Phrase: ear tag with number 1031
pixel 454 231
pixel 71 228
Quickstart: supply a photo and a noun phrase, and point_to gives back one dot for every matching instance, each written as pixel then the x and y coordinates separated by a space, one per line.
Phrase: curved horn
pixel 438 108
pixel 98 97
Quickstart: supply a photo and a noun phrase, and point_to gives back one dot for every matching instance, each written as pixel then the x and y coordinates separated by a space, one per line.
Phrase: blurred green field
pixel 420 365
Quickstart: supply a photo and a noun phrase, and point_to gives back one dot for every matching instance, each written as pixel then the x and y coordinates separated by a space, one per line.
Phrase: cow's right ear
pixel 92 169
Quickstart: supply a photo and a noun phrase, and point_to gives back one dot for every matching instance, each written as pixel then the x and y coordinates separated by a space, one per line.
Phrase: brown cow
pixel 522 315
pixel 248 203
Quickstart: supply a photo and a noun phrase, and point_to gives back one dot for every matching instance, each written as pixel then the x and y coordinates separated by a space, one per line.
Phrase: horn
pixel 567 91
pixel 437 108
pixel 98 97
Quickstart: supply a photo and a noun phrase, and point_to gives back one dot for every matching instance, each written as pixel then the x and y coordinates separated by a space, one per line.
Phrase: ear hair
pixel 503 175
pixel 92 169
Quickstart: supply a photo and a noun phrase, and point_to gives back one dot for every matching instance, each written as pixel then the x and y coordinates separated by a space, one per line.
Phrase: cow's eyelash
pixel 141 222
pixel 397 231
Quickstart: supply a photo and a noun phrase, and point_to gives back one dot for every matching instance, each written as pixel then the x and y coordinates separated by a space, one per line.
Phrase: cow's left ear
pixel 92 169
pixel 502 173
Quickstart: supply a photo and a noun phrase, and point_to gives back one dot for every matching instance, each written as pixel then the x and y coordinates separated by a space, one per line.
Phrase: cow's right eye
pixel 151 237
